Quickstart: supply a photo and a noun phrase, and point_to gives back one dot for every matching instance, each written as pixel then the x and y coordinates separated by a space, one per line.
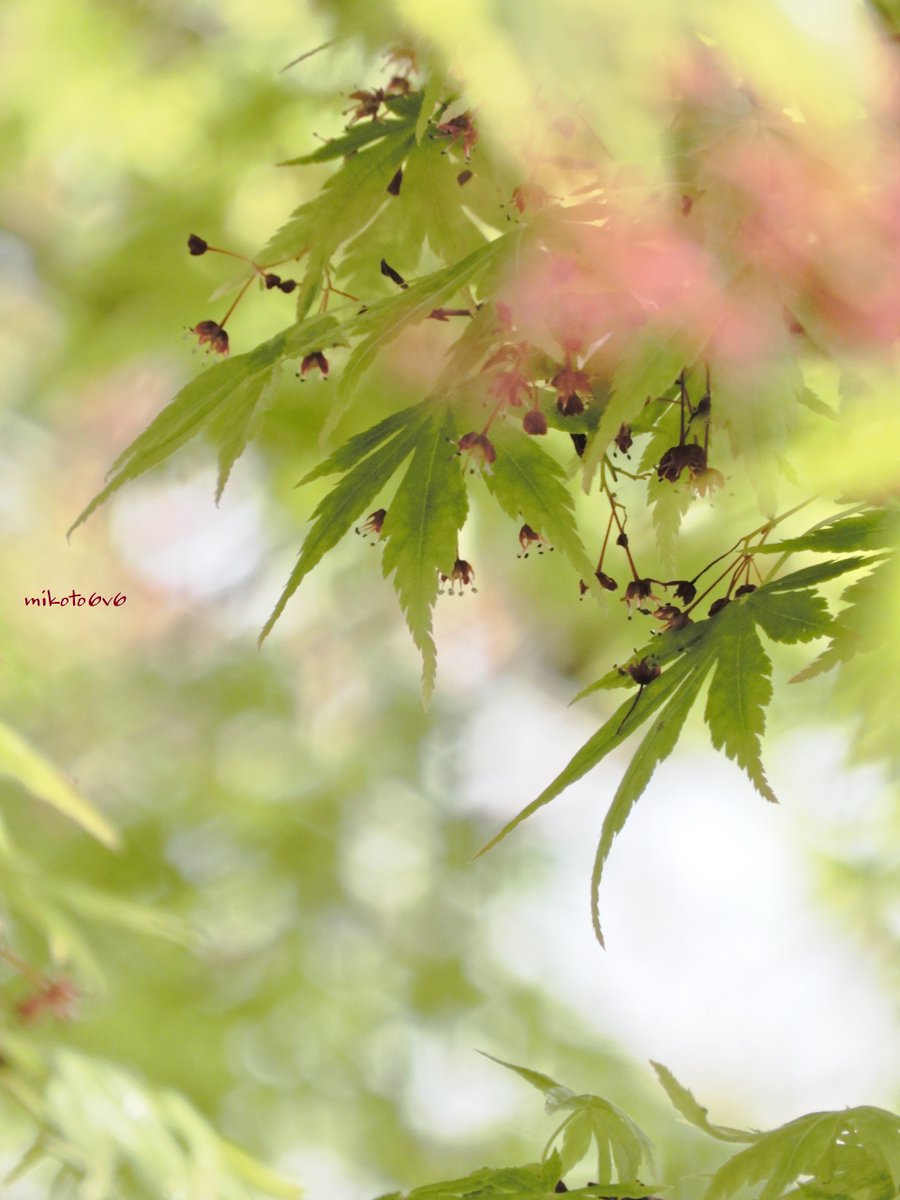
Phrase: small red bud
pixel 534 422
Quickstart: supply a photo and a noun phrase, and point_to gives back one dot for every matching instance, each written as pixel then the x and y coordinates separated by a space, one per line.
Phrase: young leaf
pixel 739 692
pixel 557 1095
pixel 357 136
pixel 875 529
pixel 650 365
pixel 431 174
pixel 234 387
pixel 853 629
pixel 347 202
pixel 421 528
pixel 20 762
pixel 337 511
pixel 385 320
pixel 238 418
pixel 624 721
pixel 683 1101
pixel 527 482
pixel 685 679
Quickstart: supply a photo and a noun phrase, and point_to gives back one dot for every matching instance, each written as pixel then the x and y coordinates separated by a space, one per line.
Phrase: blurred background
pixel 295 805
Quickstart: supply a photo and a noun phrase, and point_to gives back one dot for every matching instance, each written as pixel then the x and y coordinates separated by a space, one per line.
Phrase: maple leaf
pixel 729 648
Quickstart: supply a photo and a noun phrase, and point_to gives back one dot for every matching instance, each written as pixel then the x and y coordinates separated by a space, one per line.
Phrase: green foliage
pixel 729 647
pixel 226 401
pixel 682 303
pixel 107 1132
pixel 421 528
pixel 853 1154
pixel 25 766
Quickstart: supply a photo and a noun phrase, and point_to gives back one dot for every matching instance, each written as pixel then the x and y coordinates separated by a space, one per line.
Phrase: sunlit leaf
pixel 25 765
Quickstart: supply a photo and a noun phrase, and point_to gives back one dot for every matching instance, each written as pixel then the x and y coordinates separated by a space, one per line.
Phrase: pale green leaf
pixel 624 721
pixel 432 175
pixel 650 364
pixel 347 202
pixel 818 573
pixel 361 444
pixel 790 617
pixel 21 762
pixel 407 112
pixel 528 483
pixel 544 1084
pixel 238 418
pixel 684 1103
pixel 739 692
pixel 422 526
pixel 234 386
pixel 873 530
pixel 385 320
pixel 684 679
pixel 349 499
pixel 430 98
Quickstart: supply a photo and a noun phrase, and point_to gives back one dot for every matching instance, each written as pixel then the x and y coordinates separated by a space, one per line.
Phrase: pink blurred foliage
pixel 770 224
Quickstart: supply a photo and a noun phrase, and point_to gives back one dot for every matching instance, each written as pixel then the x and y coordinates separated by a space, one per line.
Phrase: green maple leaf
pixel 423 521
pixel 421 528
pixel 226 401
pixel 367 462
pixel 728 646
pixel 346 204
pixel 528 483
pixel 406 110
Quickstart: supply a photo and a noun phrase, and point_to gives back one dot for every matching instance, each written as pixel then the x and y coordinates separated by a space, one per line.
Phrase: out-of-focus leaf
pixel 27 766
pixel 685 1103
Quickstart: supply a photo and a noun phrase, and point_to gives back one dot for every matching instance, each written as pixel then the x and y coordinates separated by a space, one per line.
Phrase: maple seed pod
pixel 393 188
pixel 677 459
pixel 529 537
pixel 461 576
pixel 480 447
pixel 718 605
pixel 623 439
pixel 560 1186
pixel 534 422
pixel 373 523
pixel 197 245
pixel 579 441
pixel 637 591
pixel 463 177
pixel 287 285
pixel 622 540
pixel 644 671
pixel 211 333
pixel 571 405
pixel 316 361
pixel 272 281
pixel 745 589
pixel 684 590
pixel 606 581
